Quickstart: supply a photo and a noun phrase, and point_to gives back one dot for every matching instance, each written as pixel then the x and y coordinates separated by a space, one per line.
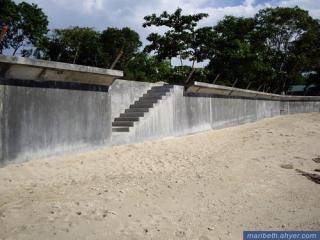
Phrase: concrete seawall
pixel 47 108
pixel 184 113
pixel 41 121
pixel 205 106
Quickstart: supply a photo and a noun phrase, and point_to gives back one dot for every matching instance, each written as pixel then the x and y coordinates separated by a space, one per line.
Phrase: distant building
pixel 304 90
pixel 298 90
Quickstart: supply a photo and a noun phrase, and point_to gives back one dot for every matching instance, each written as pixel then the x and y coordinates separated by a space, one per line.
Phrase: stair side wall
pixel 124 93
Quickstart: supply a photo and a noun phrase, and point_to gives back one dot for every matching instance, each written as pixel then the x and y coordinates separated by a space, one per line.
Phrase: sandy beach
pixel 211 185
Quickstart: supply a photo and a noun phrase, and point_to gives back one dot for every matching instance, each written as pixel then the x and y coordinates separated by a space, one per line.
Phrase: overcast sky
pixel 101 14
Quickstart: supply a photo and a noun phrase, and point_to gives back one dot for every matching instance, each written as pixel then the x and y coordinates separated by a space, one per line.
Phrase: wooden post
pixel 117 59
pixel 235 82
pixel 190 75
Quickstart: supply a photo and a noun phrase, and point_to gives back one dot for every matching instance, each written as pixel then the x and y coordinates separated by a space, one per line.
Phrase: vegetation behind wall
pixel 276 48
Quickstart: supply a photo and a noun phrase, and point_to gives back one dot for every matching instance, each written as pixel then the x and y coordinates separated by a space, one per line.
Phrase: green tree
pixel 8 15
pixel 181 40
pixel 268 52
pixel 306 54
pixel 277 33
pixel 147 68
pixel 124 40
pixel 27 24
pixel 74 45
pixel 233 59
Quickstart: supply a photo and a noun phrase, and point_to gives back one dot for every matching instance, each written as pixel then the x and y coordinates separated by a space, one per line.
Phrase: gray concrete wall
pixel 302 107
pixel 124 93
pixel 40 121
pixel 182 113
pixel 292 107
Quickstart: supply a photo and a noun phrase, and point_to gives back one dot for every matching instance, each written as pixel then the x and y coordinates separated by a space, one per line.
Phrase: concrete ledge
pixel 41 70
pixel 213 89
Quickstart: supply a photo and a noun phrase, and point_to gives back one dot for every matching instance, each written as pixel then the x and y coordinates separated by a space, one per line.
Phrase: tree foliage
pixel 233 56
pixel 74 45
pixel 269 51
pixel 147 68
pixel 27 25
pixel 87 46
pixel 181 40
pixel 274 49
pixel 123 40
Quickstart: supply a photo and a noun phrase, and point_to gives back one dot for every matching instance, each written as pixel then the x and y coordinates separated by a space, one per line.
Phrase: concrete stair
pixel 139 108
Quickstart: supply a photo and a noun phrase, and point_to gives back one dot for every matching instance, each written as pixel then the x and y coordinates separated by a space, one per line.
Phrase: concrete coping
pixel 41 70
pixel 214 89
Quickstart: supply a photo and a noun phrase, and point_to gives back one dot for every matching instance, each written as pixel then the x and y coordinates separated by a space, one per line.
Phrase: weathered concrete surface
pixel 218 90
pixel 43 118
pixel 41 70
pixel 124 92
pixel 41 121
pixel 189 112
pixel 303 106
pixel 51 107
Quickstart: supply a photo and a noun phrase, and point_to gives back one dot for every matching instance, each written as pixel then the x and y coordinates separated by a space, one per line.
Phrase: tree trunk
pixel 15 51
pixel 117 59
pixel 191 72
pixel 76 55
pixel 215 80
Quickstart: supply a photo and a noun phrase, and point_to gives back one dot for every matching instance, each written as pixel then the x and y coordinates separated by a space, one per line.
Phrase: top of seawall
pixel 41 70
pixel 213 89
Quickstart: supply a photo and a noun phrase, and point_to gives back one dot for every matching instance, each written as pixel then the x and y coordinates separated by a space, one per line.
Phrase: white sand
pixel 211 185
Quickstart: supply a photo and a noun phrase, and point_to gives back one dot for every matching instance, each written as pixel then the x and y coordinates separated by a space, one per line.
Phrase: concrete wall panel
pixel 40 122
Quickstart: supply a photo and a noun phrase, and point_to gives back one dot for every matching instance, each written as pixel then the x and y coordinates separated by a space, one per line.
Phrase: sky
pixel 101 14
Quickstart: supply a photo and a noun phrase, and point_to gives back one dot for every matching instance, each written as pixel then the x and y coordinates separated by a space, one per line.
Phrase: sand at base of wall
pixel 211 185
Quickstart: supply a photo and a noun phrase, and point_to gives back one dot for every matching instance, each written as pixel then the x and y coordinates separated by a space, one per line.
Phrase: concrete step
pixel 141 105
pixel 154 94
pixel 132 114
pixel 123 124
pixel 158 91
pixel 147 100
pixel 137 110
pixel 121 119
pixel 162 87
pixel 120 129
pixel 152 98
pixel 140 110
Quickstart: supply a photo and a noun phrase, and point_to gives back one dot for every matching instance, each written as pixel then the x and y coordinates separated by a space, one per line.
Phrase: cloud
pixel 101 14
